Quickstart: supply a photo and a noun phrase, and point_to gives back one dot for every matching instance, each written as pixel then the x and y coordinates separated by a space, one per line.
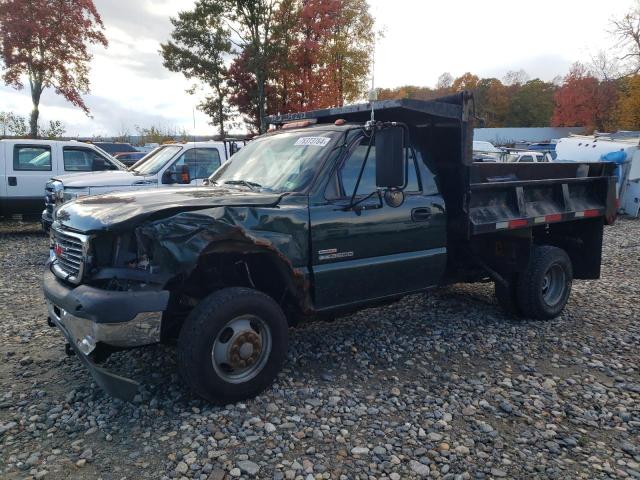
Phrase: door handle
pixel 13 181
pixel 420 214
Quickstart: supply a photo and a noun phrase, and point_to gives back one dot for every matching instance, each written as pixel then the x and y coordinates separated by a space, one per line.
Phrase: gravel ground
pixel 442 385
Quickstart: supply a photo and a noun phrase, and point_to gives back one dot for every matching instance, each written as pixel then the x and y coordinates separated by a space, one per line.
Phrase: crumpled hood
pixel 107 178
pixel 119 211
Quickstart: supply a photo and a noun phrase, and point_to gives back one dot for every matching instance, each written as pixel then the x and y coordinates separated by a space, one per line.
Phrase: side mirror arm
pixel 353 202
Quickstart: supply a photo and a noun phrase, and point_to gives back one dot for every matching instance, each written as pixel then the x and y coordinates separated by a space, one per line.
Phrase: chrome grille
pixel 68 254
pixel 49 198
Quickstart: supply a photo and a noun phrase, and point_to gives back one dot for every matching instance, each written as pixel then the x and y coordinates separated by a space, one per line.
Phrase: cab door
pixel 29 165
pixel 378 251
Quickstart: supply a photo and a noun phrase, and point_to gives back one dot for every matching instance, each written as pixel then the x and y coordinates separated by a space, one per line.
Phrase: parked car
pixel 313 220
pixel 547 147
pixel 531 157
pixel 26 165
pixel 130 158
pixel 175 164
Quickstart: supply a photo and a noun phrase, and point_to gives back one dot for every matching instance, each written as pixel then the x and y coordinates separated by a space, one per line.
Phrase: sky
pixel 422 39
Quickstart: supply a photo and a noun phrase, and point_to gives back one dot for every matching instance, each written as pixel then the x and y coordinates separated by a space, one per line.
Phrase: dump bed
pixel 503 196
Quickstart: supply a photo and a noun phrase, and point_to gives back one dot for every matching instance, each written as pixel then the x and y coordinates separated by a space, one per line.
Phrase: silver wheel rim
pixel 241 349
pixel 553 285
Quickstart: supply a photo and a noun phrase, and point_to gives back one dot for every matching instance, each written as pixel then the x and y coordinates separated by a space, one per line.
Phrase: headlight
pixel 72 194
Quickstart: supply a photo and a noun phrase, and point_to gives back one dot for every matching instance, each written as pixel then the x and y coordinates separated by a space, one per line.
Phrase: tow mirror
pixel 390 157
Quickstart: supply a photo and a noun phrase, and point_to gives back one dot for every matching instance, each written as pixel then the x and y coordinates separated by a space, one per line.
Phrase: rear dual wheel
pixel 542 290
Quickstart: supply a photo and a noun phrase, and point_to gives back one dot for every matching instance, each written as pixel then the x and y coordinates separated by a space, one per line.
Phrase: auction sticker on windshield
pixel 315 141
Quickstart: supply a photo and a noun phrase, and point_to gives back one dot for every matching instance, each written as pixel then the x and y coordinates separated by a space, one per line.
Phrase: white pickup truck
pixel 175 164
pixel 26 165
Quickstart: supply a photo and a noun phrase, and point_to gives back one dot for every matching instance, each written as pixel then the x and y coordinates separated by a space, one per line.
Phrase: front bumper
pixel 88 316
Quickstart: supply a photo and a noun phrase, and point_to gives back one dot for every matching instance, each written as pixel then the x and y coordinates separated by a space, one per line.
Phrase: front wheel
pixel 543 288
pixel 232 345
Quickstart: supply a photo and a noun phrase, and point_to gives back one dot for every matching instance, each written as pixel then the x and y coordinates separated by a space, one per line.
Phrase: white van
pixel 175 164
pixel 26 165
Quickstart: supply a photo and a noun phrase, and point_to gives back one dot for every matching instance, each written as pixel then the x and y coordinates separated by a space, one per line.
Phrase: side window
pixel 526 158
pixel 202 162
pixel 350 169
pixel 83 160
pixel 32 157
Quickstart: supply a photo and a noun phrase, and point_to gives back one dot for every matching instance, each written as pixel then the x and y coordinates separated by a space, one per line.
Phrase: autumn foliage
pixel 47 40
pixel 285 55
pixel 584 100
pixel 579 99
pixel 321 58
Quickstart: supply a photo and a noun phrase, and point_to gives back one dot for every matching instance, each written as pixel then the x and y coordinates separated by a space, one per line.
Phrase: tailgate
pixel 504 196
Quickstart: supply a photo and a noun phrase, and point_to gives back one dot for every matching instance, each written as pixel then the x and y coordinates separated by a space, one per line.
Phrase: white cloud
pixel 129 85
pixel 426 38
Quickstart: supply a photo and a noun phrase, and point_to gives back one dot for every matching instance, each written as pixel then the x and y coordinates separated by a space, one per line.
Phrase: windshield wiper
pixel 250 185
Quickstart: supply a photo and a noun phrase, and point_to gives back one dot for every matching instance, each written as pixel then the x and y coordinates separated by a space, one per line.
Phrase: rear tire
pixel 232 345
pixel 543 289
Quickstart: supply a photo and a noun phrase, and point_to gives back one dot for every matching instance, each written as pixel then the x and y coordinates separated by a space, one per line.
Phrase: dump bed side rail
pixel 518 196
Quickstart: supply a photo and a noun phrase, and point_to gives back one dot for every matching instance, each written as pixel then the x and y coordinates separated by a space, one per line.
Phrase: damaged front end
pixel 136 286
pixel 221 247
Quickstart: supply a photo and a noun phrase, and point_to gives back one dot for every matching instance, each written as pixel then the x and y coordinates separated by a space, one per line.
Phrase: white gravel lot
pixel 442 386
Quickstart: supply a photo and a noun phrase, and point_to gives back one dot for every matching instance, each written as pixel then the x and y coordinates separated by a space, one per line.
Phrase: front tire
pixel 543 289
pixel 232 345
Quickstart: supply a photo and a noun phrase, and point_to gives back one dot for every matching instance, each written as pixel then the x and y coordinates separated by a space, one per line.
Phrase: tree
pixel 350 49
pixel 468 81
pixel 55 130
pixel 628 108
pixel 407 91
pixel 198 47
pixel 515 77
pixel 283 67
pixel 12 124
pixel 531 105
pixel 243 92
pixel 313 84
pixel 604 66
pixel 155 134
pixel 627 31
pixel 583 100
pixel 47 40
pixel 253 22
pixel 492 102
pixel 322 53
pixel 445 81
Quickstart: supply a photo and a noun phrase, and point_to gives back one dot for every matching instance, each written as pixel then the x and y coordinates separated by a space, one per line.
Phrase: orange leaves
pixel 584 100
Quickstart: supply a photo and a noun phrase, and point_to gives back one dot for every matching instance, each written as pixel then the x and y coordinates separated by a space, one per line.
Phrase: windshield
pixel 156 160
pixel 286 162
